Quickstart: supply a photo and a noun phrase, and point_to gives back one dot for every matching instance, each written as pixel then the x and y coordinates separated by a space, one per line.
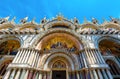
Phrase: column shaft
pixel 96 57
pixel 18 74
pixel 16 56
pixel 26 74
pixel 95 74
pixel 99 54
pixel 27 57
pixel 89 57
pixel 93 56
pixel 17 59
pixel 7 74
pixel 91 74
pixel 23 74
pixel 82 63
pixel 109 74
pixel 12 74
pixel 34 59
pixel 39 58
pixel 104 74
pixel 40 75
pixel 99 73
pixel 36 77
pixel 84 59
pixel 99 57
pixel 21 58
pixel 24 56
pixel 78 75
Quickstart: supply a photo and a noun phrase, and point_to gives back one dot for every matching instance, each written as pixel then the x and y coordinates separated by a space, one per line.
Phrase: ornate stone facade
pixel 59 49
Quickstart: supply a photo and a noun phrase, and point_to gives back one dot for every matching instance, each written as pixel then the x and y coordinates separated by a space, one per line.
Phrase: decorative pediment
pixel 7 26
pixel 89 25
pixel 111 25
pixel 29 26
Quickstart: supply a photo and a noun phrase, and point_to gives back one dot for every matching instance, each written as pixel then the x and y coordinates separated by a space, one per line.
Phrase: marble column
pixel 36 77
pixel 48 75
pixel 99 54
pixel 81 59
pixel 40 75
pixel 85 62
pixel 91 74
pixel 39 58
pixel 89 57
pixel 92 56
pixel 96 57
pixel 67 75
pixel 17 59
pixel 18 74
pixel 12 74
pixel 30 75
pixel 34 59
pixel 99 73
pixel 7 74
pixel 16 56
pixel 30 57
pixel 79 63
pixel 78 75
pixel 21 58
pixel 23 74
pixel 26 74
pixel 109 74
pixel 104 74
pixel 27 57
pixel 95 74
pixel 44 75
pixel 34 74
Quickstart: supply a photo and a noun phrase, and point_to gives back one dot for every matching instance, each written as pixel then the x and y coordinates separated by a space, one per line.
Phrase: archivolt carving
pixel 89 25
pixel 71 61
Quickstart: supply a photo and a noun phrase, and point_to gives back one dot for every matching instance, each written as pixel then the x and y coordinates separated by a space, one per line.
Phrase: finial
pixel 7 18
pixel 75 20
pixel 43 20
pixel 85 20
pixel 94 21
pixel 59 17
pixel 104 20
pixel 24 20
pixel 33 20
pixel 59 14
pixel 13 19
pixel 4 20
pixel 113 19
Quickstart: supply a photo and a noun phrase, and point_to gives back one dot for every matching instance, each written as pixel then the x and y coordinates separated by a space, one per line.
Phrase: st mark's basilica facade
pixel 59 48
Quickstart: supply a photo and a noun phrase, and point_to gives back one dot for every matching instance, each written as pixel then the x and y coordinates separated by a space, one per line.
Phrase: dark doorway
pixel 58 74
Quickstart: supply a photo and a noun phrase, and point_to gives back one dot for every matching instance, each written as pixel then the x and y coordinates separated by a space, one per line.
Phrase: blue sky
pixel 69 8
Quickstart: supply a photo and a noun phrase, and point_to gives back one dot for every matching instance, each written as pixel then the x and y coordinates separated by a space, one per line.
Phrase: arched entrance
pixel 59 54
pixel 110 50
pixel 59 64
pixel 59 70
pixel 110 47
pixel 114 69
